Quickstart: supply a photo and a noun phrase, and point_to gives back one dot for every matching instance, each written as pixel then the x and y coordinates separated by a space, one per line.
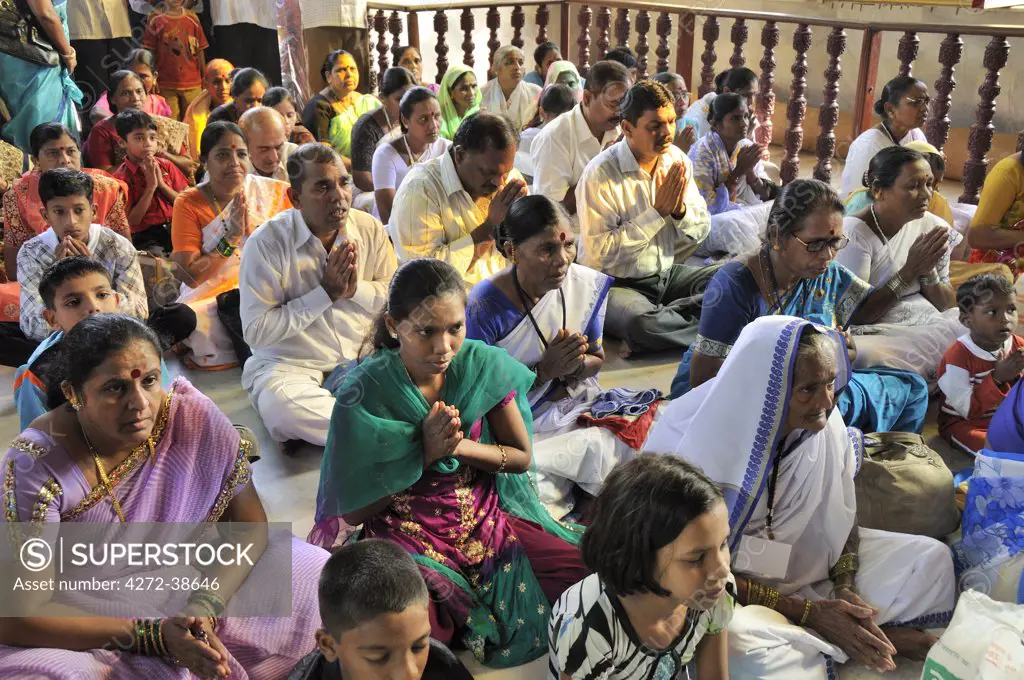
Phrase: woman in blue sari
pixel 794 274
pixel 41 94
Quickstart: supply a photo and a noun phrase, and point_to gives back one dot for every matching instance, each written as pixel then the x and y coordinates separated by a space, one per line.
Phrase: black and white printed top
pixel 590 637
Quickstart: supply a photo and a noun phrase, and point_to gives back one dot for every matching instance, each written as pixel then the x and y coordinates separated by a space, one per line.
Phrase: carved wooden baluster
pixel 395 26
pixel 380 24
pixel 584 17
pixel 766 83
pixel 707 73
pixel 797 108
pixel 372 69
pixel 664 30
pixel 980 140
pixel 467 24
pixel 1020 142
pixel 518 21
pixel 441 28
pixel 604 25
pixel 950 52
pixel 907 52
pixel 622 28
pixel 828 116
pixel 643 25
pixel 493 23
pixel 543 16
pixel 739 36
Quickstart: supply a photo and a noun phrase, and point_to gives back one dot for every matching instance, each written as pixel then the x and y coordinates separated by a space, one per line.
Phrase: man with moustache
pixel 639 211
pixel 448 207
pixel 565 146
pixel 312 279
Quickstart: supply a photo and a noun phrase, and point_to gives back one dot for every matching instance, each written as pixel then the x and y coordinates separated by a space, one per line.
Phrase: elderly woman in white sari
pixel 896 240
pixel 903 109
pixel 816 589
pixel 507 93
pixel 548 313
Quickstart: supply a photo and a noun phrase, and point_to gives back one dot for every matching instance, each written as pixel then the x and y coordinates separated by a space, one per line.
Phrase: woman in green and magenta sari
pixel 429 447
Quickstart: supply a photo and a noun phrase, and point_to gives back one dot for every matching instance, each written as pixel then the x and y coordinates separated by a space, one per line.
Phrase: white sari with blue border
pixel 731 426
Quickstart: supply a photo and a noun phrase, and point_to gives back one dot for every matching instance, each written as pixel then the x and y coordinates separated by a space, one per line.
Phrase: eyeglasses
pixel 834 244
pixel 920 103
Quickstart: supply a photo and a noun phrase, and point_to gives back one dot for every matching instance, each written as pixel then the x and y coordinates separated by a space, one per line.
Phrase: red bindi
pixel 562 236
pixel 136 373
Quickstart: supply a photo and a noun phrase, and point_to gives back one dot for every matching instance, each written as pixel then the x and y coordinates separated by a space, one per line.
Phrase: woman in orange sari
pixel 208 231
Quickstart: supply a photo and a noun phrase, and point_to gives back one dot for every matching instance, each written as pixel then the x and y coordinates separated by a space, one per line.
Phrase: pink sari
pixel 199 465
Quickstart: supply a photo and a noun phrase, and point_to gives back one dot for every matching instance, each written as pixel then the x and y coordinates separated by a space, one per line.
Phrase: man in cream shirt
pixel 312 280
pixel 639 209
pixel 565 146
pixel 269 147
pixel 448 207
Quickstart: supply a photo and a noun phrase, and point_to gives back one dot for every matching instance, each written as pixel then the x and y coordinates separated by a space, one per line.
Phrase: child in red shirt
pixel 979 369
pixel 176 37
pixel 153 182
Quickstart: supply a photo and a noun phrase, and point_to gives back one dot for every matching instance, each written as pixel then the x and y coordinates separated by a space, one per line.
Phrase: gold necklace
pixel 104 479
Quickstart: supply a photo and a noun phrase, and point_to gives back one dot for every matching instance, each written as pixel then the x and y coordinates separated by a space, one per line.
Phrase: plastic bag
pixel 982 642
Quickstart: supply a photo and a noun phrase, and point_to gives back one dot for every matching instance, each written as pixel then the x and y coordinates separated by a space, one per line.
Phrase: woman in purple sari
pixel 126 450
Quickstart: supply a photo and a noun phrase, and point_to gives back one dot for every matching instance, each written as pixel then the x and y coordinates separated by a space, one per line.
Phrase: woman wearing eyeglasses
pixel 794 273
pixel 895 243
pixel 903 108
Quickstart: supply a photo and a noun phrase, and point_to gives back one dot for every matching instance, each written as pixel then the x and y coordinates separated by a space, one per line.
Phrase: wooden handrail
pixel 674 7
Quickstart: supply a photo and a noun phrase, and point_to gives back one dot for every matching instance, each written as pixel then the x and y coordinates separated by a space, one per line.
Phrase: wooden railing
pixel 674 33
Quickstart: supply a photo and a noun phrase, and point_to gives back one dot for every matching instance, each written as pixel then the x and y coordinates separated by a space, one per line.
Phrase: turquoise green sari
pixel 462 525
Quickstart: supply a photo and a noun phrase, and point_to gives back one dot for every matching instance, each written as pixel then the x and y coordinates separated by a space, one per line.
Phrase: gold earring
pixel 75 404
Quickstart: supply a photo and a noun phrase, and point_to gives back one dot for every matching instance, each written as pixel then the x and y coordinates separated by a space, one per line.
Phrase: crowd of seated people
pixel 425 283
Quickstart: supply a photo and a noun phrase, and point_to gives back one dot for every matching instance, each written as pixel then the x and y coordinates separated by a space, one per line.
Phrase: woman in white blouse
pixel 420 116
pixel 903 109
pixel 508 94
pixel 897 244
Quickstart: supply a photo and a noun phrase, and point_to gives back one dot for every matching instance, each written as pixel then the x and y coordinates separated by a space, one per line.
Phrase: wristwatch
pixel 225 248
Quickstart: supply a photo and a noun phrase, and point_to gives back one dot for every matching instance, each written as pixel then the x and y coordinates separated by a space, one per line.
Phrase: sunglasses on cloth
pixel 818 245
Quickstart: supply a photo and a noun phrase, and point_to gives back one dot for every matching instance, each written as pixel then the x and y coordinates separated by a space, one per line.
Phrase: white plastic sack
pixel 983 642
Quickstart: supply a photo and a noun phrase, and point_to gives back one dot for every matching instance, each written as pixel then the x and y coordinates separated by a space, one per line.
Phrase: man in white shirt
pixel 448 207
pixel 100 30
pixel 639 210
pixel 269 147
pixel 329 26
pixel 312 280
pixel 246 33
pixel 565 146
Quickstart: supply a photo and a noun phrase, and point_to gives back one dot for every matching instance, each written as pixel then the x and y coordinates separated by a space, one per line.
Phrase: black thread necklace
pixel 526 305
pixel 769 269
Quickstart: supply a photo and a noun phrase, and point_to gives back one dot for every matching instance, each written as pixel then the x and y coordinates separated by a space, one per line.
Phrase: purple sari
pixel 197 466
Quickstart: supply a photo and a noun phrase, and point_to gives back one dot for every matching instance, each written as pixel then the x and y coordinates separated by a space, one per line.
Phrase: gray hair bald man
pixel 269 147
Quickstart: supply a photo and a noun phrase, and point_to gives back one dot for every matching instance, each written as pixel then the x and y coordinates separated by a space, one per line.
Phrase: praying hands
pixel 341 276
pixel 670 192
pixel 70 246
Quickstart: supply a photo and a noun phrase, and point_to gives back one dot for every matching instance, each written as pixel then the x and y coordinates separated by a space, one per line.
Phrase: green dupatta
pixel 450 119
pixel 375 442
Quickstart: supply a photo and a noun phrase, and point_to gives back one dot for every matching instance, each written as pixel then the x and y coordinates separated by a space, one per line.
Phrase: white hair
pixel 504 51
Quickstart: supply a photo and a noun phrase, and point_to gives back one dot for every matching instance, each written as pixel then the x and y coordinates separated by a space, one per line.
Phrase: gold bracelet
pixel 772 599
pixel 807 613
pixel 504 459
pixel 848 563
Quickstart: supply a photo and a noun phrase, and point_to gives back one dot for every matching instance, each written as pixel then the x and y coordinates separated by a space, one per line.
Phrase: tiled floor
pixel 288 483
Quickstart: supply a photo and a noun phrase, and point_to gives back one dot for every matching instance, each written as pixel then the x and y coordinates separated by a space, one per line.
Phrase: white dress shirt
pixel 622 233
pixel 98 19
pixel 287 316
pixel 520 108
pixel 348 13
pixel 433 216
pixel 262 13
pixel 562 150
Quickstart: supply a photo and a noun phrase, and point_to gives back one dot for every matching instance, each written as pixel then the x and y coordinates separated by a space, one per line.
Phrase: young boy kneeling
pixel 373 604
pixel 978 370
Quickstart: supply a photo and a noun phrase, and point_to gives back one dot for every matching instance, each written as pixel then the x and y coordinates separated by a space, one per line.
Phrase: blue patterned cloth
pixel 623 402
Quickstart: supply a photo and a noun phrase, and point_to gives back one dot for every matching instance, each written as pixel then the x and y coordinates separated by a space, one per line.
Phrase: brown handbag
pixel 904 486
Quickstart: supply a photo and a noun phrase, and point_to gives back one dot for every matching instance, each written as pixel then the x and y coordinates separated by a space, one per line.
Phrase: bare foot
pixel 911 643
pixel 624 351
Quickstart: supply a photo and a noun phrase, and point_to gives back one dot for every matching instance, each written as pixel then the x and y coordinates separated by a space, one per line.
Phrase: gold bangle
pixel 504 459
pixel 807 613
pixel 848 563
pixel 772 598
